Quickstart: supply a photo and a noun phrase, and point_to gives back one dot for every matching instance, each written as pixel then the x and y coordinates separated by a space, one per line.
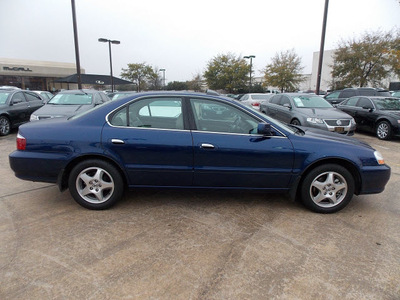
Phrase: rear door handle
pixel 207 146
pixel 117 141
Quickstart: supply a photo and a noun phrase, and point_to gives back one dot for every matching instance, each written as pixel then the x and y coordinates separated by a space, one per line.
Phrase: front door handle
pixel 117 141
pixel 207 146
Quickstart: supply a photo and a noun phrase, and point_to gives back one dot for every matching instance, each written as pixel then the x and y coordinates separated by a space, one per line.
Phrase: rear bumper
pixel 33 166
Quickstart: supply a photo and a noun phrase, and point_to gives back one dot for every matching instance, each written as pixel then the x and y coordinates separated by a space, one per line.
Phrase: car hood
pixel 325 113
pixel 61 110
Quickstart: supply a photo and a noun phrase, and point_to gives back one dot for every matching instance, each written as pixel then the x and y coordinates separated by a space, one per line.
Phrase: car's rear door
pixel 228 152
pixel 148 138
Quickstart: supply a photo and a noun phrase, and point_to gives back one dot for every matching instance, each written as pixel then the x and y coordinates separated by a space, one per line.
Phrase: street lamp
pixel 102 40
pixel 163 80
pixel 251 61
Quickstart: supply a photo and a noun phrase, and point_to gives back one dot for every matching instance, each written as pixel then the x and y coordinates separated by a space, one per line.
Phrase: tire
pixel 295 122
pixel 327 188
pixel 5 126
pixel 383 130
pixel 95 184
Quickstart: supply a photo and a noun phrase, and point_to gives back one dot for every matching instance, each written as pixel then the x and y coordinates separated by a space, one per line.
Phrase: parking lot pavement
pixel 197 245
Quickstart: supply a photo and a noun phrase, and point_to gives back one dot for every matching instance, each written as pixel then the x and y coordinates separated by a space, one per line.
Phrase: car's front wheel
pixel 383 130
pixel 5 126
pixel 295 122
pixel 95 184
pixel 327 188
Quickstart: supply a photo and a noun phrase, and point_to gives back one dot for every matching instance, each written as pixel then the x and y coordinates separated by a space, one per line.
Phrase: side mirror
pixel 264 129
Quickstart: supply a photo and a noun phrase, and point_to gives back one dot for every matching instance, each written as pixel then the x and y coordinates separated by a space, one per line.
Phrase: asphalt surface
pixel 197 245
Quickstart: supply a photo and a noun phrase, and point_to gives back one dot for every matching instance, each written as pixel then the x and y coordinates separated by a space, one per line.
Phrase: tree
pixel 138 73
pixel 227 72
pixel 155 80
pixel 196 83
pixel 177 86
pixel 367 60
pixel 284 72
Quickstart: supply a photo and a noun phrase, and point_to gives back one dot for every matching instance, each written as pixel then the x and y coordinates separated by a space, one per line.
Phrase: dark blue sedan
pixel 193 140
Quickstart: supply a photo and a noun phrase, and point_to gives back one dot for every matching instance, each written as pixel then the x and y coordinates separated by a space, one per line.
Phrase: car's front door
pixel 149 140
pixel 19 110
pixel 228 152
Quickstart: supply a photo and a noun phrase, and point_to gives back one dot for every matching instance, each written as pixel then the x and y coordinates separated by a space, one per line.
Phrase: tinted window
pixel 32 97
pixel 221 117
pixel 245 97
pixel 367 92
pixel 18 97
pixel 333 95
pixel 352 101
pixel 348 94
pixel 275 99
pixel 364 103
pixel 285 100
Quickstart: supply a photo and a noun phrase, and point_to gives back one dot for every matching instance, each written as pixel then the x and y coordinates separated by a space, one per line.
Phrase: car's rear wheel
pixel 295 122
pixel 327 188
pixel 95 184
pixel 5 126
pixel 383 130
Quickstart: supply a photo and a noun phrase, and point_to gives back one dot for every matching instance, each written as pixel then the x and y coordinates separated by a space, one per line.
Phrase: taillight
pixel 21 142
pixel 255 104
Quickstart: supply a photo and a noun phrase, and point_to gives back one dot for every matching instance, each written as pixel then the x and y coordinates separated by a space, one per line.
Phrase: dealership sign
pixel 17 69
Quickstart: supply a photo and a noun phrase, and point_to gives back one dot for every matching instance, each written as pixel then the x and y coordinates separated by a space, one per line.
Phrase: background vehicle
pixel 375 114
pixel 16 106
pixel 164 140
pixel 336 97
pixel 46 96
pixel 308 110
pixel 68 103
pixel 254 100
pixel 118 95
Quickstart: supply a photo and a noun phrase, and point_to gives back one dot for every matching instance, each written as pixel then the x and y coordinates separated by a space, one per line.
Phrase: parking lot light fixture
pixel 163 79
pixel 251 62
pixel 103 40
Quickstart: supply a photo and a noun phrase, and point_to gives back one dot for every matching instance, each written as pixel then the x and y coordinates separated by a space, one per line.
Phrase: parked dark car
pixel 375 114
pixel 308 110
pixel 69 103
pixel 336 97
pixel 163 140
pixel 16 107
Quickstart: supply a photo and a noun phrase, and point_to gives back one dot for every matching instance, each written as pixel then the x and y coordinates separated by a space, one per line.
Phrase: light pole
pixel 251 62
pixel 102 40
pixel 163 80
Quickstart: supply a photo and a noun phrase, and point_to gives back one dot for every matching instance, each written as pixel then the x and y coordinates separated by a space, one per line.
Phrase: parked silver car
pixel 308 110
pixel 254 100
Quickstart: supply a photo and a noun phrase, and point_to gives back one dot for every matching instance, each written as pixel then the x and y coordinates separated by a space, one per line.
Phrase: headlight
pixel 315 120
pixel 379 158
pixel 34 118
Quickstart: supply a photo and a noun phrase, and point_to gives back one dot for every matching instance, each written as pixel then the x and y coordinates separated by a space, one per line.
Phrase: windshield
pixel 71 99
pixel 387 103
pixel 3 97
pixel 311 102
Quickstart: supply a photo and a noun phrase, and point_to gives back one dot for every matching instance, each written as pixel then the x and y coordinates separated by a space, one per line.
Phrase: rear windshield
pixel 71 99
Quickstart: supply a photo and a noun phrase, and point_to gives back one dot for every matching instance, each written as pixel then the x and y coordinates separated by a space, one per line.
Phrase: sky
pixel 183 36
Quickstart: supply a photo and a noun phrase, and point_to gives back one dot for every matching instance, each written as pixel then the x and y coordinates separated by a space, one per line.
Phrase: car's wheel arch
pixel 62 180
pixel 382 119
pixel 295 189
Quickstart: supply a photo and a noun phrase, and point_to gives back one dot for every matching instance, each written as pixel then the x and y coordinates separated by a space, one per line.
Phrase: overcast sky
pixel 182 36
